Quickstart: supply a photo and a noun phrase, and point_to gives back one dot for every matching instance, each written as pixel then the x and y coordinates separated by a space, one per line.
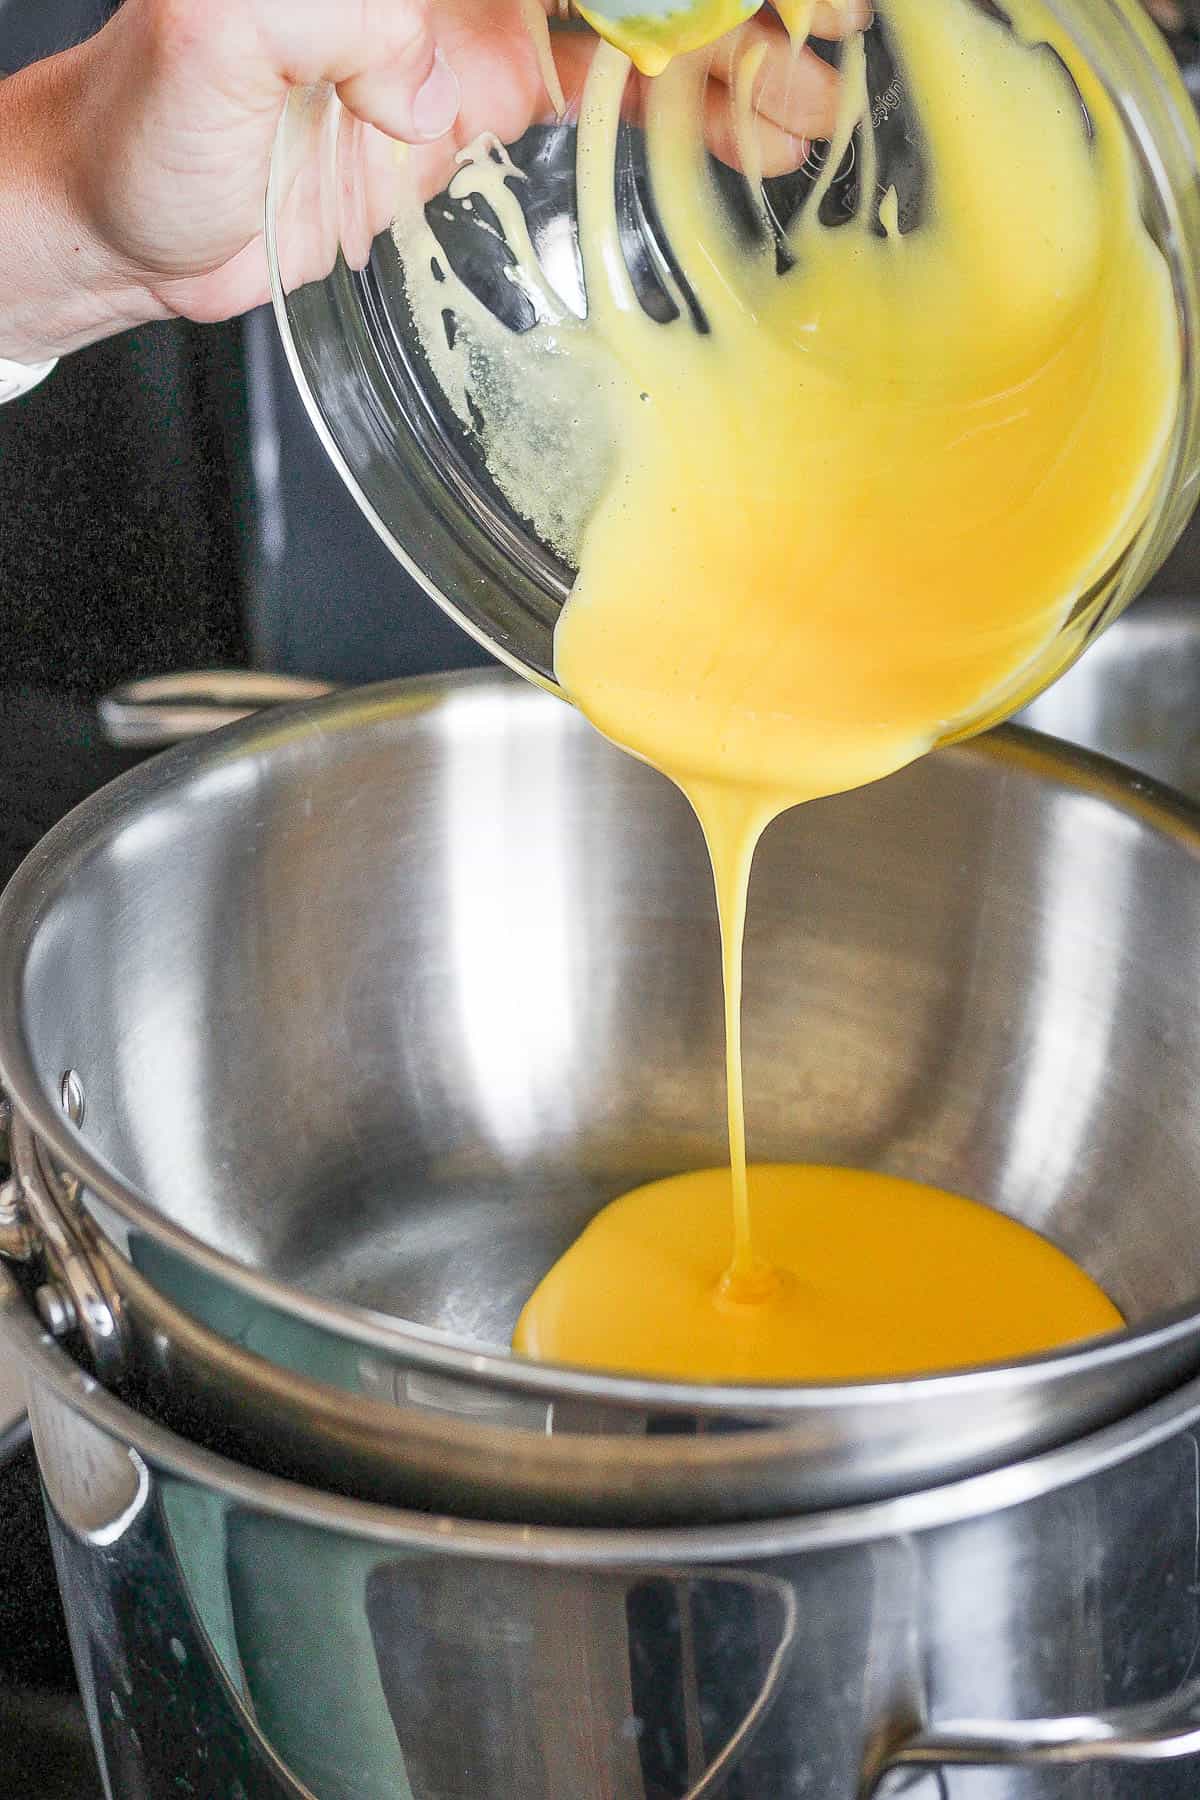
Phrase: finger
pixel 509 112
pixel 793 90
pixel 821 18
pixel 415 97
pixel 839 18
pixel 780 152
pixel 382 56
pixel 1167 15
pixel 489 46
pixel 573 53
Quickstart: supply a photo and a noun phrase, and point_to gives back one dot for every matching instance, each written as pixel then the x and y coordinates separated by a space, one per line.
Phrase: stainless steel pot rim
pixel 422 1347
pixel 548 1545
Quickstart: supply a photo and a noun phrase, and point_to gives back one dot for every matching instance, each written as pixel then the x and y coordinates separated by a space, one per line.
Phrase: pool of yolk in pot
pixel 870 1276
pixel 847 520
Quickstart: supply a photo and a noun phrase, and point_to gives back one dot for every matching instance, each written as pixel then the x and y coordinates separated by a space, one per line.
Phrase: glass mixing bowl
pixel 418 462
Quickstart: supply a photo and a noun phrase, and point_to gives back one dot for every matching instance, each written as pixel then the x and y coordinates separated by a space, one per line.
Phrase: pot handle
pixel 722 1765
pixel 167 709
pixel 44 1230
pixel 1156 1731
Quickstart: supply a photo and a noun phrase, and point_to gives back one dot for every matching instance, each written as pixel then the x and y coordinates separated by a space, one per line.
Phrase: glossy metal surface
pixel 168 709
pixel 373 1003
pixel 1136 695
pixel 236 1635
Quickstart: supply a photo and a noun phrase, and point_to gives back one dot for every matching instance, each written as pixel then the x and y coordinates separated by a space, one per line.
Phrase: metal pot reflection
pixel 1027 1635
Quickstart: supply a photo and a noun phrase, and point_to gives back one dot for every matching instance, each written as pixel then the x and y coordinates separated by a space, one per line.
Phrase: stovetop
pixel 52 755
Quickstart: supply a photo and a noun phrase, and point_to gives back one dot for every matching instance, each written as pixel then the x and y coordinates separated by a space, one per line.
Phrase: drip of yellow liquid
pixel 867 508
pixel 651 40
pixel 854 514
pixel 872 1277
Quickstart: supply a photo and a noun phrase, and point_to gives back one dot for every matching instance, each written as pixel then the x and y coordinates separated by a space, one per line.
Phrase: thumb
pixel 383 58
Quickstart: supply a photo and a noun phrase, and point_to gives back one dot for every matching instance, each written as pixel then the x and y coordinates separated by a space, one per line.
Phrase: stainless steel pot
pixel 361 1009
pixel 1025 1635
pixel 1136 694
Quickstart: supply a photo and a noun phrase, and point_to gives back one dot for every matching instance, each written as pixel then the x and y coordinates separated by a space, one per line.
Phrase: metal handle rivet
pixel 55 1309
pixel 71 1093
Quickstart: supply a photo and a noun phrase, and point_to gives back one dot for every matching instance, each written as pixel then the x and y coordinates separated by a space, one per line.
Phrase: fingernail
pixel 437 100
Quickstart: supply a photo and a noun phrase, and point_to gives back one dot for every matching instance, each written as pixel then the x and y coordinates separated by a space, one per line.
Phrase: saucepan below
pixel 1030 1634
pixel 326 1034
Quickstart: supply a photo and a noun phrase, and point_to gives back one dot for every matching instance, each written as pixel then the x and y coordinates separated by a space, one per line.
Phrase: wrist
pixel 59 287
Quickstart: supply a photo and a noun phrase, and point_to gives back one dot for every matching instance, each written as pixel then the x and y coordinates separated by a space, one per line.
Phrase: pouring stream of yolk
pixel 873 503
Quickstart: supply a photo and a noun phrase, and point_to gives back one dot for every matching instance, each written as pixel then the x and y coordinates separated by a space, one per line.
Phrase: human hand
pixel 152 140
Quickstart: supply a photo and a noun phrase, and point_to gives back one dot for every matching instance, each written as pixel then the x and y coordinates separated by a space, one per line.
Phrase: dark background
pixel 165 504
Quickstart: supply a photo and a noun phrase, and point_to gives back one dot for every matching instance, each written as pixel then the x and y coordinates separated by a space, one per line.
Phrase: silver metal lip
pixel 551 1545
pixel 778 1405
